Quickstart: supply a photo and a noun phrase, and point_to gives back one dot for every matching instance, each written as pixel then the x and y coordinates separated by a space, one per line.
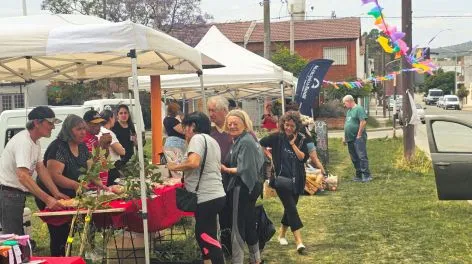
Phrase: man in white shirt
pixel 19 160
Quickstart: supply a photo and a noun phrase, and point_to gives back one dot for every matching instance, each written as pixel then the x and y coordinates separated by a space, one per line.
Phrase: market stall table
pixel 58 260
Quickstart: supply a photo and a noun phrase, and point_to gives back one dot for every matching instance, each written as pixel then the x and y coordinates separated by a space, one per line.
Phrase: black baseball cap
pixel 43 113
pixel 92 116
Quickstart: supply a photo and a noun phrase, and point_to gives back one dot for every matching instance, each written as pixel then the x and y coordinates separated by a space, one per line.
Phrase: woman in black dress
pixel 126 134
pixel 63 158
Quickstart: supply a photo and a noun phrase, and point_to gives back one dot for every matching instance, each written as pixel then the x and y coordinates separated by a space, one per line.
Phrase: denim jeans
pixel 12 204
pixel 358 153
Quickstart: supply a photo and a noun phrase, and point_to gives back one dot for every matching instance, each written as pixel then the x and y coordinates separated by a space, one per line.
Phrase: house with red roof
pixel 336 39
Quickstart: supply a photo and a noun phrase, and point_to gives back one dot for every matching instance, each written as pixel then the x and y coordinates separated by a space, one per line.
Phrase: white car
pixel 419 111
pixel 440 101
pixel 451 101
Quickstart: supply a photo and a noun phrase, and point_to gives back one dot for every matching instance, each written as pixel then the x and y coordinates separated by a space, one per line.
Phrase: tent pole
pixel 183 103
pixel 282 97
pixel 205 110
pixel 137 107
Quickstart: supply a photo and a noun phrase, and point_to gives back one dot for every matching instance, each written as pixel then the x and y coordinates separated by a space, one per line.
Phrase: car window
pixel 451 137
pixel 452 99
pixel 435 93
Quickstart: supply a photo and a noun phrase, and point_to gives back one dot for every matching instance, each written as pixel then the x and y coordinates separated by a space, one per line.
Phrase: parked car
pixel 392 101
pixel 433 96
pixel 13 121
pixel 440 101
pixel 451 156
pixel 451 101
pixel 419 111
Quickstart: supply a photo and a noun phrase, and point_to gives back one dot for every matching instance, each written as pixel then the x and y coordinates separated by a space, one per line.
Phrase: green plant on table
pixel 131 179
pixel 100 162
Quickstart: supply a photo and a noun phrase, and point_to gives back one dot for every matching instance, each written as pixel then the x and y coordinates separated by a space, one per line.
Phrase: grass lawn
pixel 396 218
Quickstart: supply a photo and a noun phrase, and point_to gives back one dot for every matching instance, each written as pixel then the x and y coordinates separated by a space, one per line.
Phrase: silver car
pixel 451 156
pixel 451 101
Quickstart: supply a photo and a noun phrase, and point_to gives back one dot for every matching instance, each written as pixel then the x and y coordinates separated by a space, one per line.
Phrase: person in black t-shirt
pixel 172 121
pixel 126 134
pixel 175 140
pixel 63 159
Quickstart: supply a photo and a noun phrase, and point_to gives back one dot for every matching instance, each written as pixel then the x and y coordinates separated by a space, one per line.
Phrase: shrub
pixel 332 108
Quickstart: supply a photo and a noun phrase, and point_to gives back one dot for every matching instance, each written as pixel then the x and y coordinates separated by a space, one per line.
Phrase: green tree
pixel 60 93
pixel 292 63
pixel 462 93
pixel 440 80
pixel 161 14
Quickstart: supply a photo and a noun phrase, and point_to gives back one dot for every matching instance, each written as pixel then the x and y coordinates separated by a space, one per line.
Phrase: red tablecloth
pixel 162 213
pixel 60 260
pixel 100 219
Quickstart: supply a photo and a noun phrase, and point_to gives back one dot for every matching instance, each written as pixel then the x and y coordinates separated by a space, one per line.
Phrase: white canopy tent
pixel 83 48
pixel 245 75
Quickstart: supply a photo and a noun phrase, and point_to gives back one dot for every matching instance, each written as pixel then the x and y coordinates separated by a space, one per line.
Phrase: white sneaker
pixel 283 241
pixel 300 248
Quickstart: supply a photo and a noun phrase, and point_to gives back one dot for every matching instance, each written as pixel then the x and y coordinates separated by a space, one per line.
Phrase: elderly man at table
pixel 20 159
pixel 218 108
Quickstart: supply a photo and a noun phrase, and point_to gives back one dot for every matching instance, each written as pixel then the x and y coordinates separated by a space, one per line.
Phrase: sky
pixel 427 20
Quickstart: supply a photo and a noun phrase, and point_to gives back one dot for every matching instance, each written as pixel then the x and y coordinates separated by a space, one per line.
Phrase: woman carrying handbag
pixel 203 178
pixel 289 153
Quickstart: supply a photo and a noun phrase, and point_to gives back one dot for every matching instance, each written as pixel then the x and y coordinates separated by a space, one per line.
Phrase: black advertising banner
pixel 309 84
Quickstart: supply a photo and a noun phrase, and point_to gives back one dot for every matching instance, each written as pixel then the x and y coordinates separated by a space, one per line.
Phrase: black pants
pixel 225 224
pixel 58 239
pixel 57 235
pixel 206 229
pixel 290 218
pixel 113 174
pixel 244 223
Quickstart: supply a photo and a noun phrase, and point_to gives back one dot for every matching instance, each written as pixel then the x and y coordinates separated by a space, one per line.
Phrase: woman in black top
pixel 175 140
pixel 172 122
pixel 63 158
pixel 289 153
pixel 126 134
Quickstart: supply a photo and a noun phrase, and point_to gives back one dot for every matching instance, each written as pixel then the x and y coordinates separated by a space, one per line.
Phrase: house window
pixel 6 102
pixel 19 101
pixel 337 54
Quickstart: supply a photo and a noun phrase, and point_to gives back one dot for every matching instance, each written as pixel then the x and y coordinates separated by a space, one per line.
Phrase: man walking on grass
pixel 355 137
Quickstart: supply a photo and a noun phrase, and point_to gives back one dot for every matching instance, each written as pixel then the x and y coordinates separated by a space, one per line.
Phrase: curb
pixel 370 130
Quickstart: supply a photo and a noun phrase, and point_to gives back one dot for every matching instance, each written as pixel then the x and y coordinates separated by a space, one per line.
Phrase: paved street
pixel 421 137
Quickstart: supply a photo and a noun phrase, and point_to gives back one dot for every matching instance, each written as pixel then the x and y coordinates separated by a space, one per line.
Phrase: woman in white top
pixel 116 149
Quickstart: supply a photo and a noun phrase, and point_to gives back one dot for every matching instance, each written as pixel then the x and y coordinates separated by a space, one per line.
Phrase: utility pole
pixel 384 106
pixel 25 12
pixel 104 9
pixel 407 77
pixel 292 35
pixel 267 29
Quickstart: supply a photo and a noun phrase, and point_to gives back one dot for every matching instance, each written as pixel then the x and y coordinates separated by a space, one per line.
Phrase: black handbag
pixel 187 201
pixel 282 183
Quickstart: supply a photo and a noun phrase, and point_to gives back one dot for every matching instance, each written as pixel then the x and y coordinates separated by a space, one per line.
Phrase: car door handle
pixel 443 164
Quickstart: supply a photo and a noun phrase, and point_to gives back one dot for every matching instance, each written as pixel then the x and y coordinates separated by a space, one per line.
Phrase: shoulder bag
pixel 282 183
pixel 187 201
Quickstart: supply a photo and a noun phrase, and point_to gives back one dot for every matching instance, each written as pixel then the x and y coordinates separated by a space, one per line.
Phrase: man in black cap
pixel 94 122
pixel 19 160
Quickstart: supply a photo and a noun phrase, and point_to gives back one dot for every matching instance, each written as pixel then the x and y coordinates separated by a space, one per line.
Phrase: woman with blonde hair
pixel 245 185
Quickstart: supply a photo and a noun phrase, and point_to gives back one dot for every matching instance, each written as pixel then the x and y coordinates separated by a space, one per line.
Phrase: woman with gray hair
pixel 64 158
